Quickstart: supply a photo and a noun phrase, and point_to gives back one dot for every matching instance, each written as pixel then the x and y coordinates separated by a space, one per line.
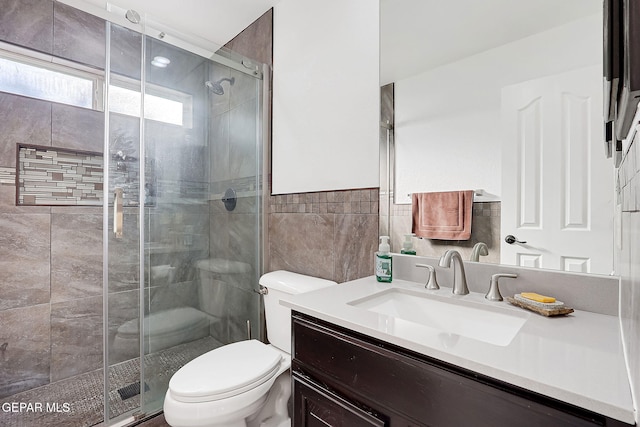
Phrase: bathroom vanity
pixel 356 362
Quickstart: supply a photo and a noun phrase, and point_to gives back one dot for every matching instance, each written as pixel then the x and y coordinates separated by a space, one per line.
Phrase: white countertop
pixel 576 359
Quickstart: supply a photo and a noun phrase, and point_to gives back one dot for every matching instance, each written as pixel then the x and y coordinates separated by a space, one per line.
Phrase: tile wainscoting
pixel 329 234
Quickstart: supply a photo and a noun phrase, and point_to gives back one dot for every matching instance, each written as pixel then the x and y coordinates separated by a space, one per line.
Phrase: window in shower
pixel 161 104
pixel 67 83
pixel 56 82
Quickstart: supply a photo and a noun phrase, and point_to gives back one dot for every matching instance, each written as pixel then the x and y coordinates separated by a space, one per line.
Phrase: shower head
pixel 216 87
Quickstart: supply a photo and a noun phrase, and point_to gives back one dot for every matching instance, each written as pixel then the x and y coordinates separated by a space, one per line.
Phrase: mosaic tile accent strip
pixel 485 209
pixel 363 201
pixel 52 176
pixel 7 176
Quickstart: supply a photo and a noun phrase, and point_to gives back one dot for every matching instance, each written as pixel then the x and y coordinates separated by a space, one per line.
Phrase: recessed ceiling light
pixel 160 62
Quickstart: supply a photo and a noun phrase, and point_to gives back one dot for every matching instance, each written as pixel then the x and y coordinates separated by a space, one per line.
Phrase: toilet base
pixel 208 415
pixel 275 412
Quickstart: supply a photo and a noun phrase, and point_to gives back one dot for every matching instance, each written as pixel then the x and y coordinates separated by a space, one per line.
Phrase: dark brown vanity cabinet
pixel 344 379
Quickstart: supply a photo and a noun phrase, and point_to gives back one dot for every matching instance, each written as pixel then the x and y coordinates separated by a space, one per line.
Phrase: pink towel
pixel 445 215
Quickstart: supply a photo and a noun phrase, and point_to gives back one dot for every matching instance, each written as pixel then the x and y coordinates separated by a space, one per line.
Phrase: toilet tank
pixel 281 284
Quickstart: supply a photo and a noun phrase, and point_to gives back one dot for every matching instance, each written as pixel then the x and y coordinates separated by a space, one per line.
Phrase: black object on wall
pixel 612 63
pixel 621 67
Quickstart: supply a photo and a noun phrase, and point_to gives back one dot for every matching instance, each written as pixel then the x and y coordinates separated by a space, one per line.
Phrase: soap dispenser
pixel 383 260
pixel 407 245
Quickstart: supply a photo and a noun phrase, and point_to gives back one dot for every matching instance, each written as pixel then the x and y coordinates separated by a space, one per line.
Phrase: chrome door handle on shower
pixel 118 215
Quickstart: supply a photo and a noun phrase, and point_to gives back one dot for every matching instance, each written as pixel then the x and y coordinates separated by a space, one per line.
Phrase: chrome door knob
pixel 510 239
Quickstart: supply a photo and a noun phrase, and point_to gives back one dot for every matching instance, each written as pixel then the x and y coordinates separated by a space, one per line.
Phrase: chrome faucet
pixel 432 282
pixel 460 280
pixel 479 248
pixel 494 290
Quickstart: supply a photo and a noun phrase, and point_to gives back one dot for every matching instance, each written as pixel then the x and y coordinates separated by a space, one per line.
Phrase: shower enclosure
pixel 182 223
pixel 130 210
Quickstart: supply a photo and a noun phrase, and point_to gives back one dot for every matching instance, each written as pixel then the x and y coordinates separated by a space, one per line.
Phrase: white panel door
pixel 556 182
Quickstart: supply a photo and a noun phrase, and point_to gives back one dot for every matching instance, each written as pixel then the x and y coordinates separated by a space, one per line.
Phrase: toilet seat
pixel 225 372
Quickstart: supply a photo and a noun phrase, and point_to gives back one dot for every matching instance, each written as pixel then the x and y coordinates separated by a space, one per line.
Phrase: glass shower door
pixel 202 216
pixel 183 174
pixel 176 214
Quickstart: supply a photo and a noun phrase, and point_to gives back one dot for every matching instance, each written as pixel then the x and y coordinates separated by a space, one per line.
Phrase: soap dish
pixel 548 311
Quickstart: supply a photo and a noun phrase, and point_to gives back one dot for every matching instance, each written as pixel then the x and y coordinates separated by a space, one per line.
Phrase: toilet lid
pixel 226 371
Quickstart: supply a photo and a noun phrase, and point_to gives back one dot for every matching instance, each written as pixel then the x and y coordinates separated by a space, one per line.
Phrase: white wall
pixel 447 124
pixel 325 95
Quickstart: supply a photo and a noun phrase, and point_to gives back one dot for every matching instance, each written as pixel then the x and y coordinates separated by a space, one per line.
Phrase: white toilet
pixel 247 383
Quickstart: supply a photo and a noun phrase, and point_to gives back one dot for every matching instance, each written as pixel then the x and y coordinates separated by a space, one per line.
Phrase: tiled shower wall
pixel 256 41
pixel 50 257
pixel 627 260
pixel 331 234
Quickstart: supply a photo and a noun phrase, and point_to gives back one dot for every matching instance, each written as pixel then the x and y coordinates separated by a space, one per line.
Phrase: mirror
pixel 454 67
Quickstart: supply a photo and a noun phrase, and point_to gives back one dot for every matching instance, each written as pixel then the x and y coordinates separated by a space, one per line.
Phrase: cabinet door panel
pixel 315 407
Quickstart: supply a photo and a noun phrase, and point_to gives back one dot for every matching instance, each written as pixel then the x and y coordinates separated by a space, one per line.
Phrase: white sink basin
pixel 449 315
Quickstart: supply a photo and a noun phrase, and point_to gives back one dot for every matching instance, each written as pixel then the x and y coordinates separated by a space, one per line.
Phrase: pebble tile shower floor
pixel 84 393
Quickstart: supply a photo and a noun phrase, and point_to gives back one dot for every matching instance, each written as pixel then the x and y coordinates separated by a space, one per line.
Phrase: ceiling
pixel 417 35
pixel 216 21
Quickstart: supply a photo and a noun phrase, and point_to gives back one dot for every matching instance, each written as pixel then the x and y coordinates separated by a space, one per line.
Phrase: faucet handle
pixel 432 283
pixel 494 289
